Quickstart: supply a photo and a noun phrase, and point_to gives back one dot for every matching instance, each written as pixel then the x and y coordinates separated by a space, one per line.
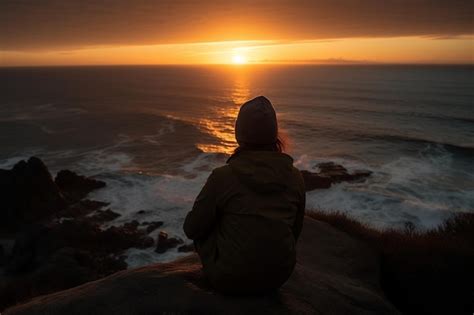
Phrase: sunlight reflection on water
pixel 221 125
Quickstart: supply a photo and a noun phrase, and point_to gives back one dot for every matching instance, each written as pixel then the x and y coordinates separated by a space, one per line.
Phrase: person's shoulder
pixel 221 172
pixel 298 177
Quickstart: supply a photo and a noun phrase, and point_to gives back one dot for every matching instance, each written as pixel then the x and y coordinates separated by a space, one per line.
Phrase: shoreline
pixel 65 241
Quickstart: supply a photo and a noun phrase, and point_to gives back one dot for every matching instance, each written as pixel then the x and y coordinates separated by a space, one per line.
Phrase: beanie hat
pixel 256 122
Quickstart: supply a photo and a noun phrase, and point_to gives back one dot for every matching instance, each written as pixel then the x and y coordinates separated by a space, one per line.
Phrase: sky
pixel 65 32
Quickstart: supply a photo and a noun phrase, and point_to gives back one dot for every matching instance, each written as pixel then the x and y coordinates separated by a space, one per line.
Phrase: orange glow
pixel 239 60
pixel 348 50
pixel 223 128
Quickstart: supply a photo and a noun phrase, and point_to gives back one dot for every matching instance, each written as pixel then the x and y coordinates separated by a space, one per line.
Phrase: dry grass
pixel 422 272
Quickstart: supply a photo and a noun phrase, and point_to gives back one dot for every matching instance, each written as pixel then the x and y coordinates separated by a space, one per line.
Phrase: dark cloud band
pixel 51 24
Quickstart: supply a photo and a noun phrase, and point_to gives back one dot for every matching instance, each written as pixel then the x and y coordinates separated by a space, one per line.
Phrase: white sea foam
pixel 414 189
pixel 165 198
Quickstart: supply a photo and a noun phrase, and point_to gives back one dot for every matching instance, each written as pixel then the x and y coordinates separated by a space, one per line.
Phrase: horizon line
pixel 248 64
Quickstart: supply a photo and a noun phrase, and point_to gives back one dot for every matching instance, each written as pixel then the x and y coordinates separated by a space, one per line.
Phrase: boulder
pixel 164 242
pixel 151 226
pixel 59 255
pixel 334 274
pixel 76 187
pixel 102 216
pixel 28 194
pixel 330 173
pixel 314 181
pixel 65 268
pixel 81 208
pixel 339 173
pixel 2 255
pixel 186 248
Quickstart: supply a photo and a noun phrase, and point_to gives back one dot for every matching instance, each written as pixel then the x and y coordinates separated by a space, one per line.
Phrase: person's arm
pixel 200 220
pixel 298 225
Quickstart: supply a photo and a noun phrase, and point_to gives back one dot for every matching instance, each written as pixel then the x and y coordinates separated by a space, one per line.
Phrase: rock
pixel 47 258
pixel 164 242
pixel 186 248
pixel 2 255
pixel 104 216
pixel 25 252
pixel 334 274
pixel 37 242
pixel 81 208
pixel 314 181
pixel 76 187
pixel 339 173
pixel 141 212
pixel 65 268
pixel 151 226
pixel 330 173
pixel 28 194
pixel 124 237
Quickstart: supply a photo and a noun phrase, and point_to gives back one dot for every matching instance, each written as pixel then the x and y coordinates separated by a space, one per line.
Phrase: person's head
pixel 256 127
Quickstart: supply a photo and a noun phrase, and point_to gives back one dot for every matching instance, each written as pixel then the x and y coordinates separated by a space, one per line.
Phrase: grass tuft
pixel 422 272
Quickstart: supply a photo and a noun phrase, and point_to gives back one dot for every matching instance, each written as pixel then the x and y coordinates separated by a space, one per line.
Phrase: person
pixel 247 218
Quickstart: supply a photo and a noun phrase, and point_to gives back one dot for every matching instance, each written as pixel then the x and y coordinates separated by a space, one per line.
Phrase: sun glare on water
pixel 238 60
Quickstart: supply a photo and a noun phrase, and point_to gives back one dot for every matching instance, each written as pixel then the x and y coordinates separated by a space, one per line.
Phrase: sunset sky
pixel 55 32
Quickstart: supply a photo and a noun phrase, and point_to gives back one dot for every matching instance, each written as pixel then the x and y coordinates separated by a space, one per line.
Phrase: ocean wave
pixel 423 190
pixel 467 149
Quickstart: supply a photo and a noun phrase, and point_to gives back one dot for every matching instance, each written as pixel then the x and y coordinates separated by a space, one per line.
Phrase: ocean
pixel 154 133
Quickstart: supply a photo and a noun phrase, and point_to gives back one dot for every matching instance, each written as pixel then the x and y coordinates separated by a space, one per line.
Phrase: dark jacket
pixel 246 220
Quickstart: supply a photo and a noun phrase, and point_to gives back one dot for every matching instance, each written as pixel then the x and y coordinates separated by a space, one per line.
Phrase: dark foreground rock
pixel 48 258
pixel 58 239
pixel 76 187
pixel 186 248
pixel 163 243
pixel 27 194
pixel 335 274
pixel 331 173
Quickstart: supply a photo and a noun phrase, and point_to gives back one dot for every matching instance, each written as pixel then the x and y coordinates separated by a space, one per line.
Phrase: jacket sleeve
pixel 200 220
pixel 298 225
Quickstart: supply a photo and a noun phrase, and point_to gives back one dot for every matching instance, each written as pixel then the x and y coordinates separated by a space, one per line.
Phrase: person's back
pixel 247 218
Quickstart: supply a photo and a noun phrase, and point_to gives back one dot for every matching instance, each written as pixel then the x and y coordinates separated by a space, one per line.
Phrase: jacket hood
pixel 262 171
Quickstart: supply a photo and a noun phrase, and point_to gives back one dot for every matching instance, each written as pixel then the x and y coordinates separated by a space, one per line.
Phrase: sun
pixel 239 60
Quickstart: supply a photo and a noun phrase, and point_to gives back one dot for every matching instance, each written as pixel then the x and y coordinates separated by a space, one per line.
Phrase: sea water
pixel 154 133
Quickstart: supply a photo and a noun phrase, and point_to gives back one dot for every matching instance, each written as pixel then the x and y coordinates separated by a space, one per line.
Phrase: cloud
pixel 58 24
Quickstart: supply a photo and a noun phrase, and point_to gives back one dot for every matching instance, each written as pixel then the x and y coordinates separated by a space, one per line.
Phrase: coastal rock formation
pixel 55 235
pixel 74 186
pixel 164 242
pixel 334 274
pixel 66 254
pixel 28 194
pixel 151 226
pixel 186 248
pixel 331 173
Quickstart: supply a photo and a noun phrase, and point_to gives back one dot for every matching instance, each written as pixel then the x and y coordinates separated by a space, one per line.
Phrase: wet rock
pixel 314 181
pixel 124 237
pixel 339 173
pixel 37 242
pixel 76 187
pixel 186 248
pixel 330 173
pixel 335 274
pixel 28 194
pixel 104 216
pixel 2 255
pixel 65 268
pixel 164 242
pixel 81 208
pixel 151 226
